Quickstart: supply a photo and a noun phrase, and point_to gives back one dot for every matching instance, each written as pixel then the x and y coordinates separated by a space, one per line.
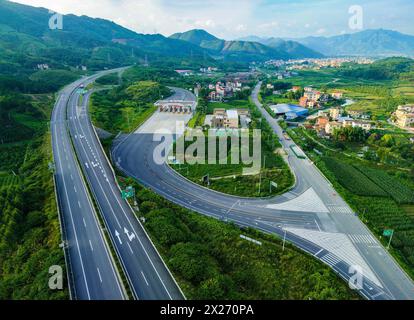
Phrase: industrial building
pixel 289 111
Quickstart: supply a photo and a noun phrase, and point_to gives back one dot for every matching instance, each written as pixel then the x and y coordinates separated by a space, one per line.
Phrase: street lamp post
pixel 284 240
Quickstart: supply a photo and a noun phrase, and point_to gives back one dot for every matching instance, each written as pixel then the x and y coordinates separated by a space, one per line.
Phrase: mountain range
pixel 377 42
pixel 248 49
pixel 26 40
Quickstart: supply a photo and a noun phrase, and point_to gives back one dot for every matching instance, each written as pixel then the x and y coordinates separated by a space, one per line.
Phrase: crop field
pixel 8 180
pixel 352 179
pixel 409 210
pixel 397 189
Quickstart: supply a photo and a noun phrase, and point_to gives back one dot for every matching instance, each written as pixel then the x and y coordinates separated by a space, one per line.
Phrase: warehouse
pixel 289 111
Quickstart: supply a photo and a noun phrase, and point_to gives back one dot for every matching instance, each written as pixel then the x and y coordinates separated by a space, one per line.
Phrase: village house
pixel 337 95
pixel 405 116
pixel 185 73
pixel 303 102
pixel 335 113
pixel 228 119
pixel 215 96
pixel 312 95
pixel 43 66
pixel 365 125
pixel 359 115
pixel 321 123
pixel 312 104
pixel 331 126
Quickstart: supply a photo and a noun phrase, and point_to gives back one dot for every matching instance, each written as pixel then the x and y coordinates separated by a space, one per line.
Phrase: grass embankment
pixel 124 108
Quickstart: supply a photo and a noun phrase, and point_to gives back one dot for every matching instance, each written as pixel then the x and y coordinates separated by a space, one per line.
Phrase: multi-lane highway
pixel 312 215
pixel 147 275
pixel 91 269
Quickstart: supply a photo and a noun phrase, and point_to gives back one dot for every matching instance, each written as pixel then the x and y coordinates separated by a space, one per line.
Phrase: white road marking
pixel 143 275
pixel 317 224
pixel 90 243
pixel 99 274
pixel 84 222
pixel 316 254
pixel 130 249
pixel 79 204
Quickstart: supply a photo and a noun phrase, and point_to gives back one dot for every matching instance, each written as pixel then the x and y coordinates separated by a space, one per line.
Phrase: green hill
pixel 294 49
pixel 196 36
pixel 26 40
pixel 249 48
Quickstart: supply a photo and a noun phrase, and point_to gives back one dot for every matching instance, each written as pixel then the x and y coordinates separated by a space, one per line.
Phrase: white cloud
pixel 241 27
pixel 321 31
pixel 269 25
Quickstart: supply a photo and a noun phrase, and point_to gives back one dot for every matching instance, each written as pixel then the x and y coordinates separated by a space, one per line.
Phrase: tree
pixel 387 141
pixel 351 134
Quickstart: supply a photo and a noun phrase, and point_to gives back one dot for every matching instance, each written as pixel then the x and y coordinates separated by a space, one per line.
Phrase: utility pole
pixel 260 181
pixel 284 240
pixel 389 243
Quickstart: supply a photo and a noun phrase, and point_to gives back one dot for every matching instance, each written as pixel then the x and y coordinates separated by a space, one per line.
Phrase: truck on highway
pixel 286 136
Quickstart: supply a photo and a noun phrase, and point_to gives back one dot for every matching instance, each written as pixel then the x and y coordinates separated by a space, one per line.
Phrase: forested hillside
pixel 29 227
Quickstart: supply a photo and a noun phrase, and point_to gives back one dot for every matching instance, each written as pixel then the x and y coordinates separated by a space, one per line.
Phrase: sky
pixel 230 19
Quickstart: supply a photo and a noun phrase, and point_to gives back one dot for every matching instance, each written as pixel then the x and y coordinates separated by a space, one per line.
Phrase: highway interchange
pixel 312 215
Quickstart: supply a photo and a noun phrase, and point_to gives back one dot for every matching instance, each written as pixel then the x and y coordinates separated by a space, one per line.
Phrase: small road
pixel 312 215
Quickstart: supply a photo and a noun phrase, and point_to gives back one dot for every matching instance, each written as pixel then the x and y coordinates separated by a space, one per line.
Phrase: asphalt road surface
pixel 312 215
pixel 91 269
pixel 146 273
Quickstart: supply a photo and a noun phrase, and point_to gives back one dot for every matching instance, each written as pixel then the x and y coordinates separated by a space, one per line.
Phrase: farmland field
pixel 8 180
pixel 397 189
pixel 352 179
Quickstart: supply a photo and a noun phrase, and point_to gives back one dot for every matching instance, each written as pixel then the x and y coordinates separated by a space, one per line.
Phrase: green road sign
pixel 388 233
pixel 128 193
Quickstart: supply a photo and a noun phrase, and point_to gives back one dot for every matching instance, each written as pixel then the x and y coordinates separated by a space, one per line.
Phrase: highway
pixel 147 275
pixel 311 216
pixel 92 275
